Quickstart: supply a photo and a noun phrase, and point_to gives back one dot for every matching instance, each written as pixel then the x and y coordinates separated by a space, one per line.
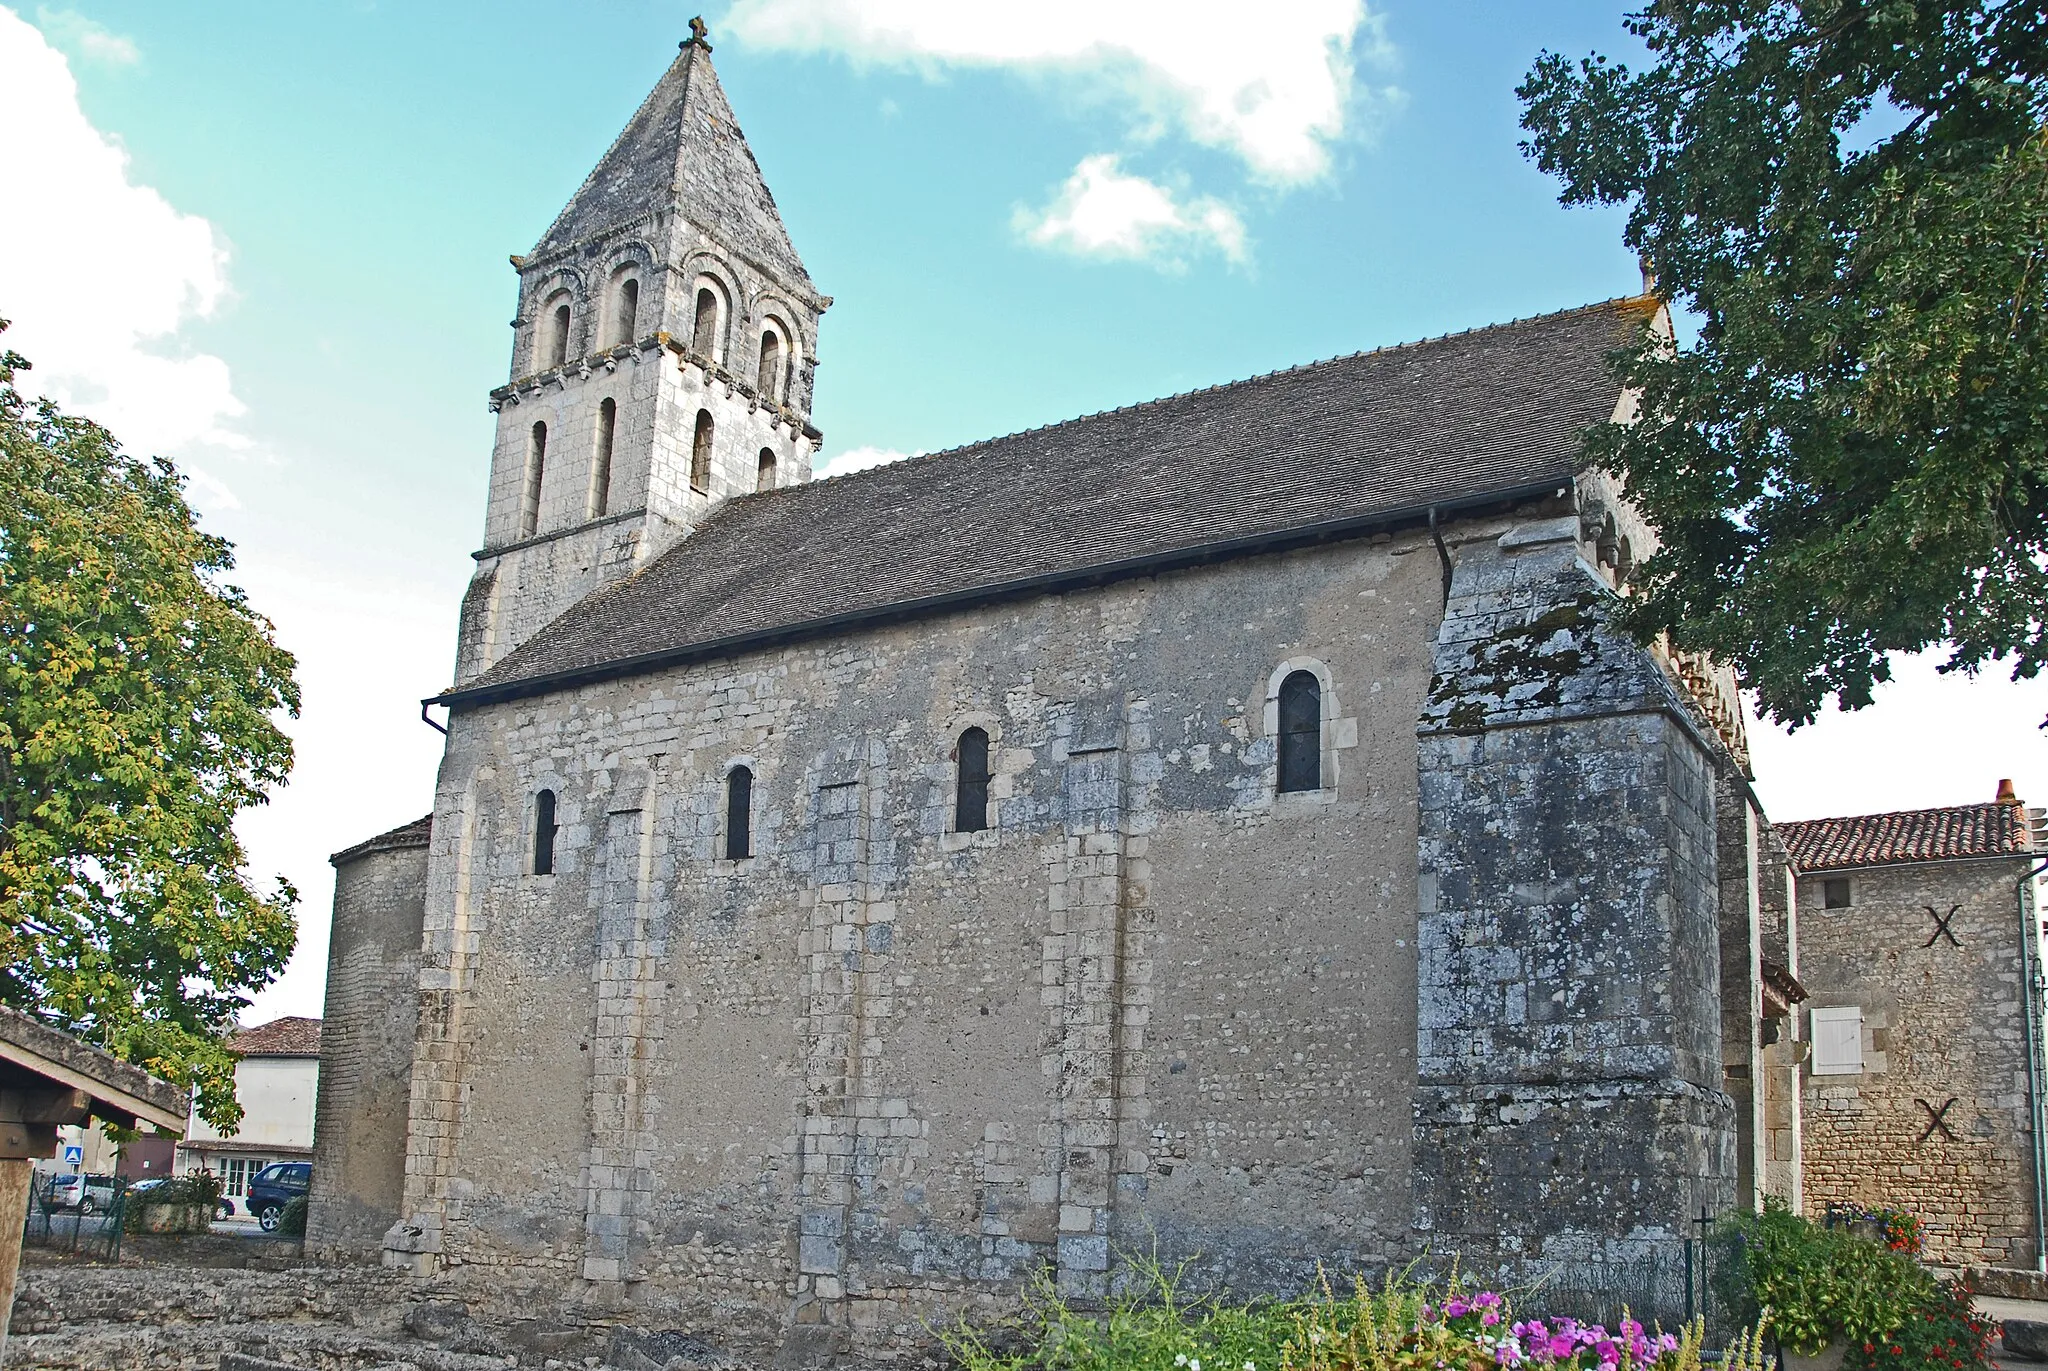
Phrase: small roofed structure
pixel 48 1078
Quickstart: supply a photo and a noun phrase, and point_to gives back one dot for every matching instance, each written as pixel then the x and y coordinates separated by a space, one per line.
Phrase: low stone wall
pixel 151 1316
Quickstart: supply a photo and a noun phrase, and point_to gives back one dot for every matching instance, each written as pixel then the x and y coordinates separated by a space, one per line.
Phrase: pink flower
pixel 1562 1345
pixel 1489 1318
pixel 1457 1308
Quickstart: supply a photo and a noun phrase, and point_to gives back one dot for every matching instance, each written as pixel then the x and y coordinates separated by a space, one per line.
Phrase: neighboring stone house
pixel 277 1081
pixel 1918 944
pixel 1226 822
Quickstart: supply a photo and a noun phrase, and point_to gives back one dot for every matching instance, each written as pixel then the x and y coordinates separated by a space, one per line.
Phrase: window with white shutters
pixel 1838 1041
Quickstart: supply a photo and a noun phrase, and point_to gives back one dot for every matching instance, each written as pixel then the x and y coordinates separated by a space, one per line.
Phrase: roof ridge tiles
pixel 1214 387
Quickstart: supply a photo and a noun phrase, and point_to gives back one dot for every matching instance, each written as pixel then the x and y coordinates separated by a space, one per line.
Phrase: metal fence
pixel 91 1227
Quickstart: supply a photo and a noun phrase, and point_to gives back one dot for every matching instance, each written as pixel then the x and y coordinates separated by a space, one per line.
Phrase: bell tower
pixel 662 362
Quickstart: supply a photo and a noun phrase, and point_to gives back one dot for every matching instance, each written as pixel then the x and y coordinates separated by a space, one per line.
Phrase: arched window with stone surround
pixel 739 813
pixel 601 457
pixel 544 833
pixel 700 453
pixel 536 466
pixel 625 309
pixel 970 790
pixel 704 329
pixel 768 380
pixel 764 470
pixel 557 353
pixel 1301 732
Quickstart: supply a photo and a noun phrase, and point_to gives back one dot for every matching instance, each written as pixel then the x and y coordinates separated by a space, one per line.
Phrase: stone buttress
pixel 1569 1101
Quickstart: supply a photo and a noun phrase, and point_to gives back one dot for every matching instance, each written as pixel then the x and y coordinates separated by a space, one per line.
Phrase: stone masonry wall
pixel 1569 1101
pixel 1942 1029
pixel 366 1047
pixel 880 1069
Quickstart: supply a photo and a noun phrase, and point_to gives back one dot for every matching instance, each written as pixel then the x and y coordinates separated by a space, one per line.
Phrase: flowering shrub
pixel 1821 1285
pixel 1944 1334
pixel 1398 1327
pixel 1899 1229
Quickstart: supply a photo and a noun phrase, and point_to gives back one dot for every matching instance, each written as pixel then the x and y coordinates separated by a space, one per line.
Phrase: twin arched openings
pixel 599 496
pixel 551 347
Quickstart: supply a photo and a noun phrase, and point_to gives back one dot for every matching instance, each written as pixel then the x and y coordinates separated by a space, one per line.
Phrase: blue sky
pixel 296 283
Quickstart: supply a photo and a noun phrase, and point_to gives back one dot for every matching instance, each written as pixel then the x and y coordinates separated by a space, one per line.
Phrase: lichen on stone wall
pixel 1520 665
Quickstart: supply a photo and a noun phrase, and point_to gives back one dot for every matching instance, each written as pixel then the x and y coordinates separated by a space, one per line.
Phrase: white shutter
pixel 1838 1041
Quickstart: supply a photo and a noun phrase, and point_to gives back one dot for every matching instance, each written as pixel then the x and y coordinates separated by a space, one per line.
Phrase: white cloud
pixel 1273 85
pixel 1105 213
pixel 98 274
pixel 860 459
pixel 87 38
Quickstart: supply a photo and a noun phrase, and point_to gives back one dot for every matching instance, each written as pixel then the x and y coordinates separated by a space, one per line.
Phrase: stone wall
pixel 366 1044
pixel 879 1071
pixel 880 1067
pixel 1942 1023
pixel 1569 1101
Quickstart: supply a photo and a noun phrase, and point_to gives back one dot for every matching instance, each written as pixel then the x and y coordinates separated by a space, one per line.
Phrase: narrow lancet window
pixel 558 340
pixel 970 797
pixel 544 833
pixel 1301 732
pixel 704 334
pixel 700 453
pixel 739 814
pixel 536 463
pixel 764 470
pixel 601 458
pixel 628 310
pixel 769 380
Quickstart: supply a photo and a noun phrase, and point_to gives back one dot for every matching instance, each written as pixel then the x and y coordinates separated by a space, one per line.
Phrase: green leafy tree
pixel 1851 198
pixel 139 697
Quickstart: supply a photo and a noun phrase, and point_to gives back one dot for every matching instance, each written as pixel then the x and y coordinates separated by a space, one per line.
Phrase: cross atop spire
pixel 697 32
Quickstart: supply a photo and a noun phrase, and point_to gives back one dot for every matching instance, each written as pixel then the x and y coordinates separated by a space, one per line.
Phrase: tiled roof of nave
pixel 1914 835
pixel 1494 410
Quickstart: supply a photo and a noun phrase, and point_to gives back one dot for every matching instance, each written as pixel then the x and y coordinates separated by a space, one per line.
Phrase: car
pixel 65 1190
pixel 99 1193
pixel 275 1186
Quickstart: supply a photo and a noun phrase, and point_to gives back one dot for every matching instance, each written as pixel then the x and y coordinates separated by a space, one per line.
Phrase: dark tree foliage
pixel 1851 196
pixel 139 697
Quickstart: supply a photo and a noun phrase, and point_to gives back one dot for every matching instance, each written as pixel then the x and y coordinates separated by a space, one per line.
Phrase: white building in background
pixel 277 1081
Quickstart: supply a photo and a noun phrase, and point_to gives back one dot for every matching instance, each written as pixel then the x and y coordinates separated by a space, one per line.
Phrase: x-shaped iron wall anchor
pixel 1941 925
pixel 1937 1120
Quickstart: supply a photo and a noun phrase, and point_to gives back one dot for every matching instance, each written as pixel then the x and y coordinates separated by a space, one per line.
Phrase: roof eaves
pixel 1227 549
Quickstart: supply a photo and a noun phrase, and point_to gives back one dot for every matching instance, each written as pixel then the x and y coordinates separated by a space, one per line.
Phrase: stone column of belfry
pixel 1097 883
pixel 626 1035
pixel 451 934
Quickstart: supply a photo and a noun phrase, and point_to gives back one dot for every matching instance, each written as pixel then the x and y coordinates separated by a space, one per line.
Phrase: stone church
pixel 1224 825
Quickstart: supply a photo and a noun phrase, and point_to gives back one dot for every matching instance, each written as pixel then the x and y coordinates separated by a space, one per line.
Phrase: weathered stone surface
pixel 2025 1338
pixel 373 967
pixel 1568 1098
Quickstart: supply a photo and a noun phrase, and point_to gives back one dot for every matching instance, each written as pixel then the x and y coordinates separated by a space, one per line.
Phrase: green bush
pixel 1946 1332
pixel 1820 1285
pixel 291 1220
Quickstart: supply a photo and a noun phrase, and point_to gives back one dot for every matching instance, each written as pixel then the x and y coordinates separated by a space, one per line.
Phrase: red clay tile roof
pixel 1916 835
pixel 278 1038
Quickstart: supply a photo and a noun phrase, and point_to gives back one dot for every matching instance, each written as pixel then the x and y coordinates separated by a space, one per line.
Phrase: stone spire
pixel 682 152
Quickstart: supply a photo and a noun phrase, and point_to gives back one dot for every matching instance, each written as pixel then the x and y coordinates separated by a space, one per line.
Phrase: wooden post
pixel 16 1174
